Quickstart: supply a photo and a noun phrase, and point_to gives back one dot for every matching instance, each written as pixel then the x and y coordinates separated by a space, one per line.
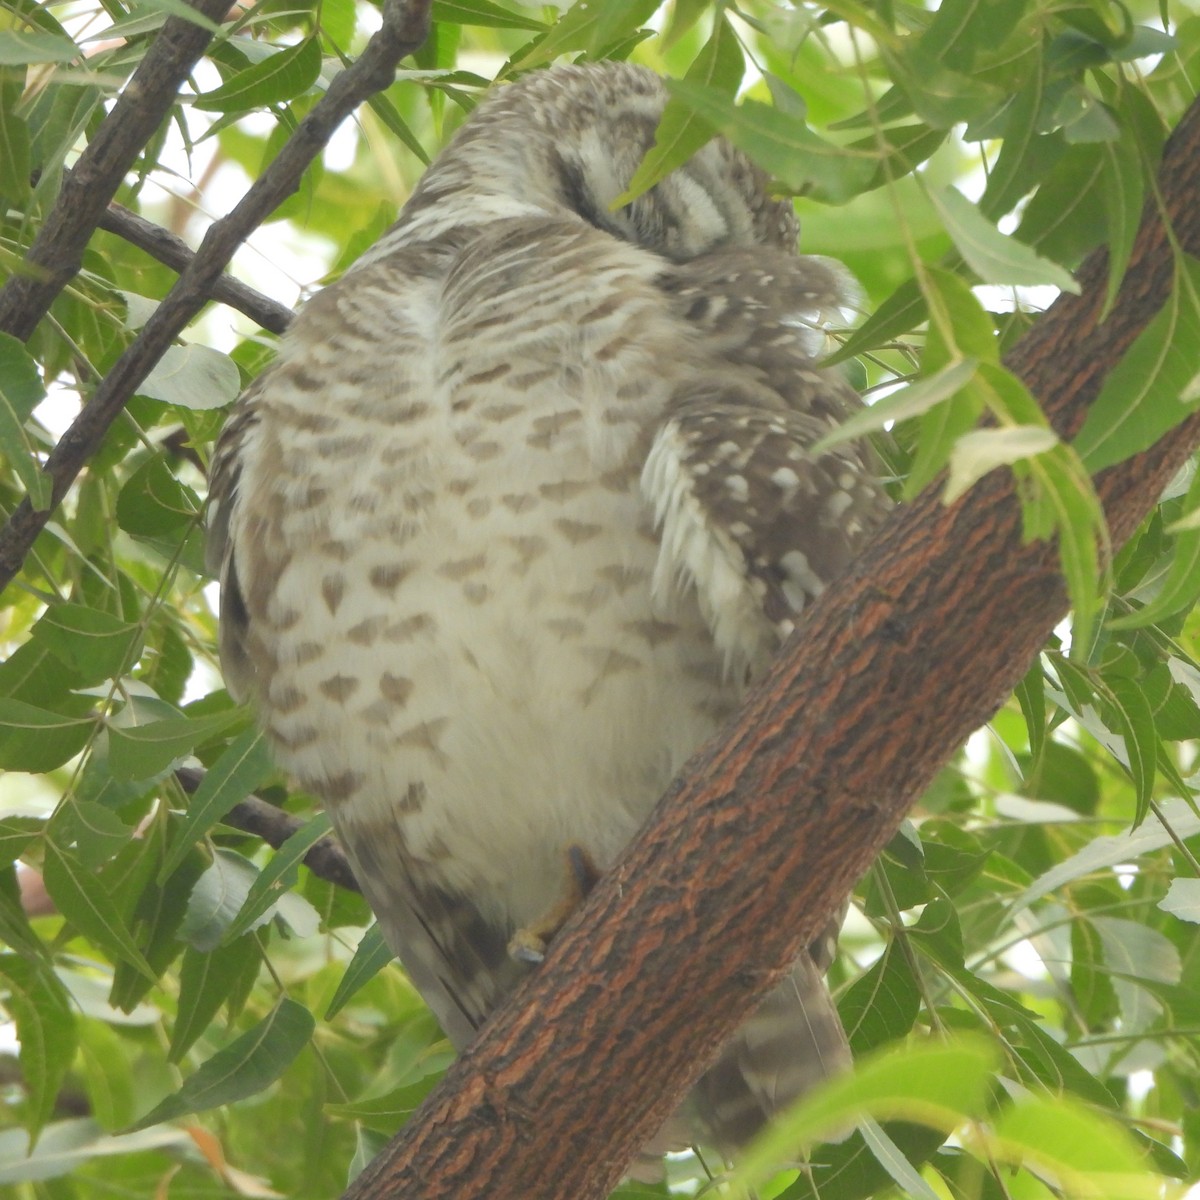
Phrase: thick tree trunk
pixel 762 840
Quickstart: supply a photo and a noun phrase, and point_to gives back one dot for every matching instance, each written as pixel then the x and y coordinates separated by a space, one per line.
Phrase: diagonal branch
pixel 766 833
pixel 405 23
pixel 57 251
pixel 326 859
pixel 175 253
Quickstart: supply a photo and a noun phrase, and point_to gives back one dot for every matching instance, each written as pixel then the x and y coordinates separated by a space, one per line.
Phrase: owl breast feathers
pixel 525 501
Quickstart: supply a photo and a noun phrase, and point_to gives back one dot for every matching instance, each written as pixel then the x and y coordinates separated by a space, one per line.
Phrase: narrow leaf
pixel 994 257
pixel 282 77
pixel 905 402
pixel 983 450
pixel 144 751
pixel 32 739
pixel 681 132
pixel 83 901
pixel 245 1067
pixel 278 875
pixel 244 765
pixel 369 959
pixel 782 144
pixel 45 1029
pixel 1154 387
pixel 21 391
pixel 205 982
pixel 97 645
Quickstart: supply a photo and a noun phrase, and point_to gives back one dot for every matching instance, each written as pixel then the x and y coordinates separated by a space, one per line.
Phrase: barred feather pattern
pixel 525 502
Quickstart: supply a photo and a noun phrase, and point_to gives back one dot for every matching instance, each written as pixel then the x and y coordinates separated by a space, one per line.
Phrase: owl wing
pixel 750 516
pixel 758 525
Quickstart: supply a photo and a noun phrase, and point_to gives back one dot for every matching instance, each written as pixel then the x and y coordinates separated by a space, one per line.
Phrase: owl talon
pixel 529 943
pixel 525 946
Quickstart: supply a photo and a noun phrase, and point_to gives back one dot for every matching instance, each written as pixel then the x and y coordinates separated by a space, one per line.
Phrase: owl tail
pixel 792 1042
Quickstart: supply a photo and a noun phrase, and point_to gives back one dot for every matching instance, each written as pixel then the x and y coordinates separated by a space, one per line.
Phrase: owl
pixel 526 501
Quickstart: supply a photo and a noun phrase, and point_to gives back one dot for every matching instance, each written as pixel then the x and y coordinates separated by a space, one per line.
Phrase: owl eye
pixel 579 197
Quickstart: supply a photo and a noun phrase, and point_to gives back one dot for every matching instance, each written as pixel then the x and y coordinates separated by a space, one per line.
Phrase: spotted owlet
pixel 525 501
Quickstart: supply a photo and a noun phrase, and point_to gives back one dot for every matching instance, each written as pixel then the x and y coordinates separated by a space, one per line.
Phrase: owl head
pixel 567 141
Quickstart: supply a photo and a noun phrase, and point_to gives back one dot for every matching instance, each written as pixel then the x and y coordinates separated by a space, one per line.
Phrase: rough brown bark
pixel 763 838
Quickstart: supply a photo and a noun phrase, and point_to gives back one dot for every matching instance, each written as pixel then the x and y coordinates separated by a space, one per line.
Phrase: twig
pixel 404 29
pixel 326 859
pixel 57 251
pixel 175 253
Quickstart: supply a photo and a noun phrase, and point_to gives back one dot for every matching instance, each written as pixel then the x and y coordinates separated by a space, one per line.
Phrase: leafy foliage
pixel 189 1014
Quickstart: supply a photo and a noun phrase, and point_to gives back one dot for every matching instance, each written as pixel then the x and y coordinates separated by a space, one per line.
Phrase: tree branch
pixel 174 252
pixel 326 859
pixel 773 822
pixel 57 251
pixel 405 23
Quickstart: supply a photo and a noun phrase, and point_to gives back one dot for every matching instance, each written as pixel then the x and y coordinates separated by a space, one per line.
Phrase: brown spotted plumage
pixel 526 500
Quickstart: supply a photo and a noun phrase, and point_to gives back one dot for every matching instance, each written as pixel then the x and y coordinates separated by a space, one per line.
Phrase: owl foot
pixel 529 943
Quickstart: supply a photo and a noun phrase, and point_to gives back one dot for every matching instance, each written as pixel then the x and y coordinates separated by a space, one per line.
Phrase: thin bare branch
pixel 174 252
pixel 327 860
pixel 57 251
pixel 405 24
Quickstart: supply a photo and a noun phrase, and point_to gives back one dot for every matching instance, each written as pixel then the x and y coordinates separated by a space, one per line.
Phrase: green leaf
pixel 1155 386
pixel 14 145
pixel 931 1083
pixel 480 12
pixel 194 376
pixel 1085 1153
pixel 18 49
pixel 156 921
pixel 32 739
pixel 277 79
pixel 278 875
pixel 14 924
pixel 909 401
pixel 244 765
pixel 1106 852
pixel 1123 193
pixel 21 391
pixel 244 1068
pixel 983 450
pixel 589 25
pixel 82 900
pixel 144 751
pixel 882 1003
pixel 206 980
pixel 1183 900
pixel 68 1147
pixel 781 144
pixel 902 311
pixel 719 67
pixel 97 832
pixel 153 503
pixel 993 256
pixel 95 644
pixel 107 1074
pixel 371 956
pixel 45 1029
pixel 15 834
pixel 217 899
pixel 1134 721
